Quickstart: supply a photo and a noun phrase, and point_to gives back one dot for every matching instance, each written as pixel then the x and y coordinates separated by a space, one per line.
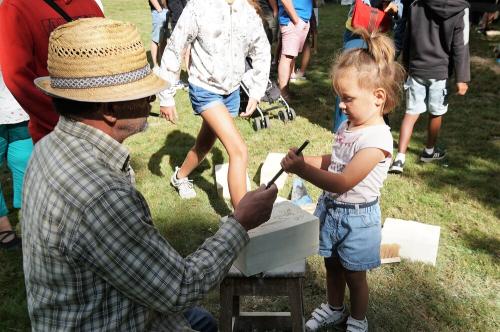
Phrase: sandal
pixel 13 243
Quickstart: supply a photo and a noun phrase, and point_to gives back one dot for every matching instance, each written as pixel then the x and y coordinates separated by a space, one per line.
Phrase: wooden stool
pixel 284 281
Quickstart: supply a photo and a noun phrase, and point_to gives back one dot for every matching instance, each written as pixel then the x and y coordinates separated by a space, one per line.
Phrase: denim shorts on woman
pixel 159 23
pixel 353 235
pixel 202 99
pixel 426 94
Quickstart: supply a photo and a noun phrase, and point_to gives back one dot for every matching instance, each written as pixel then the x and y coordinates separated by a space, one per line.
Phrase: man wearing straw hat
pixel 93 260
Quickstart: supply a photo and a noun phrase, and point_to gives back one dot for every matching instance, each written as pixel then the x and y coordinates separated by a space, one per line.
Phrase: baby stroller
pixel 271 101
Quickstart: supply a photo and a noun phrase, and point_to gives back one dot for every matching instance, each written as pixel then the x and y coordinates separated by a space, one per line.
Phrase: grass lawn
pixel 460 194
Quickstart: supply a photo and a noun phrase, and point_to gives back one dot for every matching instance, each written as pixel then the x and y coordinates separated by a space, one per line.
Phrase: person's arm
pixel 290 10
pixel 117 241
pixel 274 6
pixel 460 53
pixel 358 168
pixel 157 5
pixel 18 65
pixel 184 34
pixel 256 79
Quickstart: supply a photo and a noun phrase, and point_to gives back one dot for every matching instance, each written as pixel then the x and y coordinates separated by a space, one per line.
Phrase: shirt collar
pixel 115 154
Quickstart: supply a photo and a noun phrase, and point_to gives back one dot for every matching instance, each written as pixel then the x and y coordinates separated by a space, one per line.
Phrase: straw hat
pixel 98 60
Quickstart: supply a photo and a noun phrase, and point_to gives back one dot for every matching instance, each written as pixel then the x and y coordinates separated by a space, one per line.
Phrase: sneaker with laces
pixel 397 167
pixel 354 325
pixel 438 154
pixel 184 186
pixel 324 315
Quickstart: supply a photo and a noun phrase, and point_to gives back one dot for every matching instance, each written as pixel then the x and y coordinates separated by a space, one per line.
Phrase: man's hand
pixel 293 163
pixel 299 25
pixel 462 88
pixel 169 113
pixel 391 8
pixel 256 206
pixel 251 106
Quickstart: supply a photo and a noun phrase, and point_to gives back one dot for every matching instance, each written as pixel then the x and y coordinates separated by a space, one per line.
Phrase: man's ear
pixel 380 96
pixel 108 114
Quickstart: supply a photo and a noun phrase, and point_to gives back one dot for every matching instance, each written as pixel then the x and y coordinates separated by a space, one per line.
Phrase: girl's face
pixel 363 106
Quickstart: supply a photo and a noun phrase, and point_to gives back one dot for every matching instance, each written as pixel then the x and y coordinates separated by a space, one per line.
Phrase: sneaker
pixel 438 154
pixel 397 167
pixel 325 316
pixel 297 76
pixel 354 325
pixel 184 185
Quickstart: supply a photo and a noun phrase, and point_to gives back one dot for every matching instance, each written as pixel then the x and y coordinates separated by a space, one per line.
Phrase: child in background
pixel 368 82
pixel 437 41
pixel 222 34
pixel 159 14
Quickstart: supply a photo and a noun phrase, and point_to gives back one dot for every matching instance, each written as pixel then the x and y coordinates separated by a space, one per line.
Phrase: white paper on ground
pixel 418 241
pixel 221 180
pixel 270 167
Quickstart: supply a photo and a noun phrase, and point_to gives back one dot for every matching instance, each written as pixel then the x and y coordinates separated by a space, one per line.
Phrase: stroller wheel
pixel 267 122
pixel 256 124
pixel 291 114
pixel 282 116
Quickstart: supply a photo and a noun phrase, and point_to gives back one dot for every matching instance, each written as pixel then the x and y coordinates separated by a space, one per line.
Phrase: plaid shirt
pixel 93 261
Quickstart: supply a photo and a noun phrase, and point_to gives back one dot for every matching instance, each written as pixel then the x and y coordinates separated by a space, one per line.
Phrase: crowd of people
pixel 77 85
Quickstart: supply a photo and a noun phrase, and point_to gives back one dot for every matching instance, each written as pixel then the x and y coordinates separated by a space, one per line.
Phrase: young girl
pixel 368 83
pixel 222 33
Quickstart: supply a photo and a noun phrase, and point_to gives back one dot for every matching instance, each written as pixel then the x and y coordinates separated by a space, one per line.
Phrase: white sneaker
pixel 325 316
pixel 354 325
pixel 184 185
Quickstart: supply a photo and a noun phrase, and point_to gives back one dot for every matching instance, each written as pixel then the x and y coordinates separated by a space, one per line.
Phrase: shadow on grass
pixel 484 243
pixel 408 297
pixel 176 146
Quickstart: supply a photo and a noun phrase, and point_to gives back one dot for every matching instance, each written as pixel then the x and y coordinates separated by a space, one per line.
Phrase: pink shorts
pixel 293 38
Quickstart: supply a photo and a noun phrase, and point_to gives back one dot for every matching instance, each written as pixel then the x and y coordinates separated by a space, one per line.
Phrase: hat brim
pixel 142 88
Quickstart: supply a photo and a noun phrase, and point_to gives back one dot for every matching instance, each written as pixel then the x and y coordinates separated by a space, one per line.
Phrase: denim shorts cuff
pixel 211 104
pixel 326 253
pixel 415 111
pixel 359 267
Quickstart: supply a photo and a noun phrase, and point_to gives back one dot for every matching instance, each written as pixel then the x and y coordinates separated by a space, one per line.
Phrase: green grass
pixel 460 194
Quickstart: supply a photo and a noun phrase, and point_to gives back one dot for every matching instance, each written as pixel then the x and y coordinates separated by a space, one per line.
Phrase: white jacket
pixel 221 37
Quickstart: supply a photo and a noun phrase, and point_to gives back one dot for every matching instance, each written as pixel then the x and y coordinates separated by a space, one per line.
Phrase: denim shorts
pixel 159 22
pixel 353 235
pixel 424 94
pixel 202 99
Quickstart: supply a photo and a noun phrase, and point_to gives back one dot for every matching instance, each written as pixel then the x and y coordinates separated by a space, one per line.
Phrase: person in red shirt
pixel 25 26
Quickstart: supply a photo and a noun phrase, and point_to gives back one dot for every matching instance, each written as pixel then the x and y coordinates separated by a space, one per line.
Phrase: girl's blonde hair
pixel 376 67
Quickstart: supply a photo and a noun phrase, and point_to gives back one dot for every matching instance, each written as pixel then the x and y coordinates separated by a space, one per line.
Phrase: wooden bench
pixel 285 281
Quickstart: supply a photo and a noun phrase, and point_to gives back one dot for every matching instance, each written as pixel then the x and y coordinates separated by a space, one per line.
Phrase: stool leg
pixel 226 308
pixel 294 288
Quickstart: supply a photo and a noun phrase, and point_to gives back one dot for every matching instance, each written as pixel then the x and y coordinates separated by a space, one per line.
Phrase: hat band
pixel 100 81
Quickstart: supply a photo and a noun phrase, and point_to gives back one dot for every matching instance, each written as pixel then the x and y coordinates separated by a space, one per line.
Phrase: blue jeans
pixel 200 320
pixel 15 146
pixel 350 41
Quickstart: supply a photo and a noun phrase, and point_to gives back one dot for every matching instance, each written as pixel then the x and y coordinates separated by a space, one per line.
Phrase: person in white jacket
pixel 222 34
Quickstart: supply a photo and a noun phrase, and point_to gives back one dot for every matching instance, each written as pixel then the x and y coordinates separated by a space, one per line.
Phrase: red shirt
pixel 25 26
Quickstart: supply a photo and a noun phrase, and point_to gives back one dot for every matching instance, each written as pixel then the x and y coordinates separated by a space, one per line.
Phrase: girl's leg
pixel 335 282
pixel 203 144
pixel 358 288
pixel 223 126
pixel 4 221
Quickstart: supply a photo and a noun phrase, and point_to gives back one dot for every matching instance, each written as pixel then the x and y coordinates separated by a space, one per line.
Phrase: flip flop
pixel 13 243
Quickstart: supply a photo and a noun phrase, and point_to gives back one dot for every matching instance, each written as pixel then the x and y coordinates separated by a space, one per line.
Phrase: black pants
pixel 176 7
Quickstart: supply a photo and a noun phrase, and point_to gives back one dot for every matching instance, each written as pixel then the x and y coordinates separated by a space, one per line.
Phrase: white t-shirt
pixel 346 144
pixel 10 111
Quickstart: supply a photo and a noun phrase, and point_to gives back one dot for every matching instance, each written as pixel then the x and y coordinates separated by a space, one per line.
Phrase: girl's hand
pixel 251 106
pixel 293 163
pixel 462 88
pixel 169 113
